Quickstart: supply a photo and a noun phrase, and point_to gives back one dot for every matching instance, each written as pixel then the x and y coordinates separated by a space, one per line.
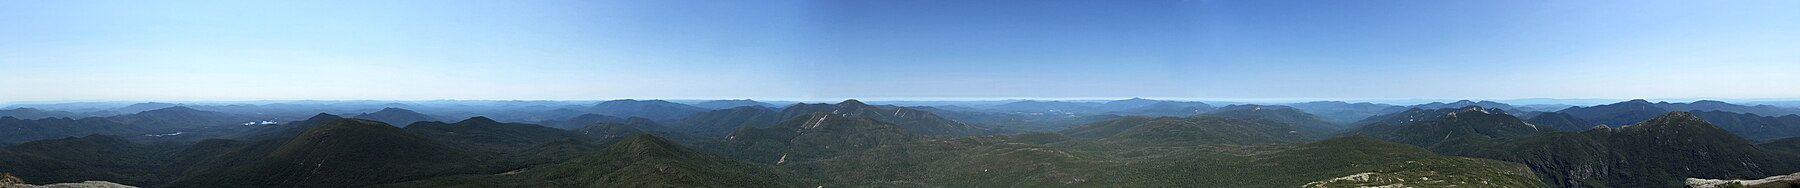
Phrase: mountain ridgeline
pixel 1133 106
pixel 1447 128
pixel 913 120
pixel 658 110
pixel 396 116
pixel 1761 122
pixel 1638 155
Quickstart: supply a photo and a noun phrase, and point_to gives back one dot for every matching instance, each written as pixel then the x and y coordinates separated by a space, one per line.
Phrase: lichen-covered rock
pixel 9 179
pixel 1790 180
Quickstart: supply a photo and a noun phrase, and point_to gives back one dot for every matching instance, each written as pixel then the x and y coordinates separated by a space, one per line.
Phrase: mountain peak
pixel 724 104
pixel 140 107
pixel 322 117
pixel 1135 99
pixel 1675 118
pixel 394 110
pixel 1479 109
pixel 634 101
pixel 478 120
pixel 1710 103
pixel 653 109
pixel 852 102
pixel 396 116
pixel 176 109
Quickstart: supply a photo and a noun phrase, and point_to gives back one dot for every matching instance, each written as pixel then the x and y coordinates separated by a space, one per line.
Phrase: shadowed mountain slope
pixel 637 161
pixel 339 153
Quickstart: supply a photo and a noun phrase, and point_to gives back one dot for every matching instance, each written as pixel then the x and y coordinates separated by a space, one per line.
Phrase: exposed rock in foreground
pixel 1790 180
pixel 86 184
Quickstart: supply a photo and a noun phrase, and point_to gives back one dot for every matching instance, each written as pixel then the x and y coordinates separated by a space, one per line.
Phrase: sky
pixel 915 49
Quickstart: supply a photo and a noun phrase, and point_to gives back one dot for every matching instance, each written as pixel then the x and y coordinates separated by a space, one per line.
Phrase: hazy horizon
pixel 798 50
pixel 1519 101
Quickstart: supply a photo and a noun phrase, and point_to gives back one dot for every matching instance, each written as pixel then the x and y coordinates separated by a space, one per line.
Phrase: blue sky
pixel 930 49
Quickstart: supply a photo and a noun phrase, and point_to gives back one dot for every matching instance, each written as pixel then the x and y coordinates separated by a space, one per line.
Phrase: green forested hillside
pixel 637 161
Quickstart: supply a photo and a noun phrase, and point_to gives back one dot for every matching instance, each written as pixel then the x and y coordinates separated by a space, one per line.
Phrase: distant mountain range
pixel 1122 143
pixel 33 113
pixel 24 130
pixel 724 104
pixel 658 110
pixel 1343 112
pixel 1760 122
pixel 1133 106
pixel 171 122
pixel 1632 111
pixel 396 116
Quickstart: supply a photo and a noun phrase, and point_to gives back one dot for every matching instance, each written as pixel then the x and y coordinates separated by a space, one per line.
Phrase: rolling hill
pixel 339 153
pixel 818 136
pixel 25 130
pixel 486 135
pixel 93 157
pixel 912 120
pixel 1280 114
pixel 583 120
pixel 718 123
pixel 1163 131
pixel 637 161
